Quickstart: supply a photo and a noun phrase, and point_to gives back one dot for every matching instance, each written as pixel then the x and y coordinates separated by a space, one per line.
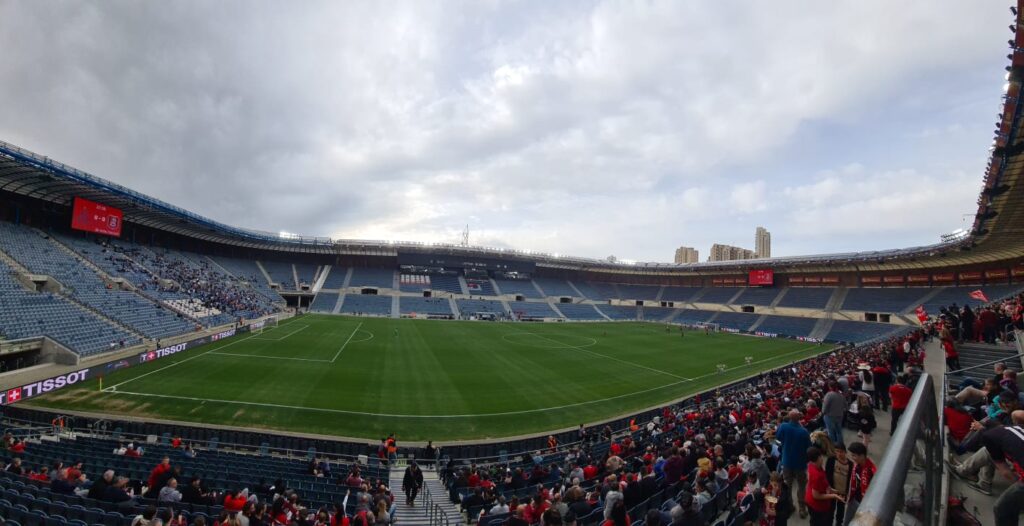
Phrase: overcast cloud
pixel 583 128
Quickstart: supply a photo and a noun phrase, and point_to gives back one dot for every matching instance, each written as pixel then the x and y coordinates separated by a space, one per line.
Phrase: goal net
pixel 711 327
pixel 259 326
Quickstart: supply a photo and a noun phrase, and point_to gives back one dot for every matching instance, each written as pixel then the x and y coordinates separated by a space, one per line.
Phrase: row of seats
pixel 324 302
pixel 371 304
pixel 421 305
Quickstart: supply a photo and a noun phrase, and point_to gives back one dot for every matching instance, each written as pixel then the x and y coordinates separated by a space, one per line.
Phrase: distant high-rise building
pixel 729 253
pixel 686 255
pixel 762 243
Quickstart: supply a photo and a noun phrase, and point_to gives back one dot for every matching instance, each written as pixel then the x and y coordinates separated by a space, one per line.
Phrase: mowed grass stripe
pixel 500 386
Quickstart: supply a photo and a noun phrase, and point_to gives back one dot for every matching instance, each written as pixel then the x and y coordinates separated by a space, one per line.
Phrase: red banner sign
pixel 918 278
pixel 970 275
pixel 830 280
pixel 946 276
pixel 893 279
pixel 871 279
pixel 96 218
pixel 1018 272
pixel 991 274
pixel 796 279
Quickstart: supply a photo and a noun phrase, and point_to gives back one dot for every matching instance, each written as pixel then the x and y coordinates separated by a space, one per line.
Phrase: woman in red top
pixel 234 501
pixel 819 497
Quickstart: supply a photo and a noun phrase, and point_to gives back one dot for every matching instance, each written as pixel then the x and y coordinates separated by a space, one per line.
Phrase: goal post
pixel 259 326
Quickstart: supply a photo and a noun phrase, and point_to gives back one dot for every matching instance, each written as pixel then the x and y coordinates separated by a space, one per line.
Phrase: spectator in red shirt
pixel 900 394
pixel 154 476
pixel 863 471
pixel 958 420
pixel 819 496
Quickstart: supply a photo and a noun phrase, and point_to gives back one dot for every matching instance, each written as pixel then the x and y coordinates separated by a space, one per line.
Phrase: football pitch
pixel 428 380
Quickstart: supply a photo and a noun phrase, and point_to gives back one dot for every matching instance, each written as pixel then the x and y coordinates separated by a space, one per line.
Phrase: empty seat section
pixel 446 282
pixel 556 287
pixel 474 306
pixel 692 316
pixel 366 304
pixel 521 287
pixel 306 272
pixel 335 278
pixel 324 302
pixel 281 273
pixel 740 321
pixel 859 331
pixel 528 309
pixel 788 325
pixel 618 312
pixel 413 282
pixel 806 298
pixel 418 305
pixel 757 296
pixel 379 278
pixel 883 300
pixel 682 294
pixel 579 311
pixel 718 295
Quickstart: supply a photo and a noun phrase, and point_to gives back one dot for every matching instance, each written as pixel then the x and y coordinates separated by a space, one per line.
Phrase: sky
pixel 580 128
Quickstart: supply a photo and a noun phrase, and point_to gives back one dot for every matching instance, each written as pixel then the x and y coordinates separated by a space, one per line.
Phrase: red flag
pixel 922 316
pixel 979 295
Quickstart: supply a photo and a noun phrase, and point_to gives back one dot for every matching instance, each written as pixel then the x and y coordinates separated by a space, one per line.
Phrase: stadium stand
pixel 25 314
pixel 522 287
pixel 364 304
pixel 894 300
pixel 657 314
pixel 306 273
pixel 855 331
pixel 579 311
pixel 413 282
pixel 324 301
pixel 480 287
pixel 638 292
pixel 691 316
pixel 680 294
pixel 619 312
pixel 430 306
pixel 446 283
pixel 248 272
pixel 280 273
pixel 740 321
pixel 787 325
pixel 757 296
pixel 336 278
pixel 43 256
pixel 718 295
pixel 961 296
pixel 528 309
pixel 380 278
pixel 806 298
pixel 589 291
pixel 555 287
pixel 469 307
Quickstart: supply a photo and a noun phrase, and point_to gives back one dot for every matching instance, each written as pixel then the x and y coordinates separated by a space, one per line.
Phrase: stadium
pixel 312 372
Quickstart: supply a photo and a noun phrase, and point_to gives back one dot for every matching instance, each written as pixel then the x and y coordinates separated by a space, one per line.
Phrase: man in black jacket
pixel 99 488
pixel 411 483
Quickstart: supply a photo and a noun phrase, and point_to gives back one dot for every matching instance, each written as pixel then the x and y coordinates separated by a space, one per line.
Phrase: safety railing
pixel 435 513
pixel 916 445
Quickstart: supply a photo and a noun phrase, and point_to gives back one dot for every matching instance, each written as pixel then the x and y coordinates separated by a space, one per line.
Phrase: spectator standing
pixel 795 440
pixel 833 407
pixel 411 483
pixel 863 471
pixel 900 395
pixel 819 497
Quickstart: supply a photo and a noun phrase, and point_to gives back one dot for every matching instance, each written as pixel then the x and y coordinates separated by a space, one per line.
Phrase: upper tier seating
pixel 532 310
pixel 43 256
pixel 718 295
pixel 446 282
pixel 894 300
pixel 366 304
pixel 420 305
pixel 25 314
pixel 618 312
pixel 306 273
pixel 413 282
pixel 335 278
pixel 555 287
pixel 522 287
pixel 247 271
pixel 324 301
pixel 471 307
pixel 787 325
pixel 579 311
pixel 961 296
pixel 281 273
pixel 858 331
pixel 638 292
pixel 679 294
pixel 806 297
pixel 379 278
pixel 757 296
pixel 480 287
pixel 740 321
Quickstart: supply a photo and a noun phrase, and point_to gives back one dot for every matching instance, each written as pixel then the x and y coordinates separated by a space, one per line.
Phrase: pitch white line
pixel 304 327
pixel 477 415
pixel 267 357
pixel 229 344
pixel 567 346
pixel 337 354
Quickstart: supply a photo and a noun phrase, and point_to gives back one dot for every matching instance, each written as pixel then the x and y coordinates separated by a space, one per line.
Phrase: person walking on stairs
pixel 412 482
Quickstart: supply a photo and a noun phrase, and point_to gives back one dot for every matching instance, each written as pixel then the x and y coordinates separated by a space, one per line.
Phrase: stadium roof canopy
pixel 997 234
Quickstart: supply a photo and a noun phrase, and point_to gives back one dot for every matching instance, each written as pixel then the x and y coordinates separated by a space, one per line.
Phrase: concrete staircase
pixel 836 301
pixel 337 305
pixel 778 298
pixel 463 285
pixel 822 328
pixel 420 514
pixel 977 354
pixel 454 306
pixel 263 271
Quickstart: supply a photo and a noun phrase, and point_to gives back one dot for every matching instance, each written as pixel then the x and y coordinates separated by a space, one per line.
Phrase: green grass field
pixel 440 380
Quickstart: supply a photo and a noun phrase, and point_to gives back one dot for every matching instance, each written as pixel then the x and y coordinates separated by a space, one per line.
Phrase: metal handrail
pixel 885 494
